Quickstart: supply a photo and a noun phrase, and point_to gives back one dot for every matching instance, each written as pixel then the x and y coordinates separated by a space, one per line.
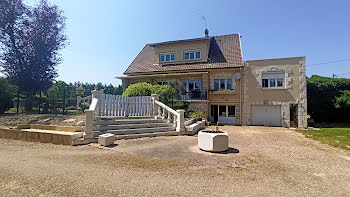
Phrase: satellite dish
pixel 237 76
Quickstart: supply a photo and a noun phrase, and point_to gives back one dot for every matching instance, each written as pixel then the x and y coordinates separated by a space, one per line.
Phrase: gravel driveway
pixel 262 161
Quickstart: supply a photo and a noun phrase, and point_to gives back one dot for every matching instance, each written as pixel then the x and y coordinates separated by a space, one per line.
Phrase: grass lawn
pixel 338 137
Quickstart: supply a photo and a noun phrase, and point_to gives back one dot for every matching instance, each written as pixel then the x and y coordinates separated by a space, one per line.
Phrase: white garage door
pixel 266 115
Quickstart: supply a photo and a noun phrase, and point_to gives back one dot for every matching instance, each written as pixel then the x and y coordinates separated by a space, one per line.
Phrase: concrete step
pixel 122 117
pixel 135 131
pixel 156 134
pixel 103 128
pixel 82 141
pixel 127 121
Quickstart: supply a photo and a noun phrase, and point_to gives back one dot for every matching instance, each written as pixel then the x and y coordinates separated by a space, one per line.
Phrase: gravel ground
pixel 12 120
pixel 262 161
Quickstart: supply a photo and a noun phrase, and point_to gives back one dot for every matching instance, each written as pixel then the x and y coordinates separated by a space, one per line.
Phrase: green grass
pixel 337 137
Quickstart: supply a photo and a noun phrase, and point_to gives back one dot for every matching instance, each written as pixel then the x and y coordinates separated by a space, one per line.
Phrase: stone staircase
pixel 132 127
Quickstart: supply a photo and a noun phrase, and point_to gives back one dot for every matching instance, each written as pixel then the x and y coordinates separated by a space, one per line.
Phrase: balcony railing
pixel 192 95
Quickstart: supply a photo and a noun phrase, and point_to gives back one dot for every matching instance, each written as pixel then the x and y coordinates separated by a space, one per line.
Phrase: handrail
pixel 93 104
pixel 90 115
pixel 178 115
pixel 166 107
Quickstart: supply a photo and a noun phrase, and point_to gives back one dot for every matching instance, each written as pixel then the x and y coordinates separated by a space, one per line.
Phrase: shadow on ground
pixel 228 151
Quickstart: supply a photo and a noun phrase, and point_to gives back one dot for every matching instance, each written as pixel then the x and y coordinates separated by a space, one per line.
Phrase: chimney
pixel 206 33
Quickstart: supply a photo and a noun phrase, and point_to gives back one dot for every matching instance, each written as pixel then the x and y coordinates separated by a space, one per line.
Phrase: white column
pixel 180 126
pixel 89 123
pixel 169 117
pixel 155 97
pixel 163 114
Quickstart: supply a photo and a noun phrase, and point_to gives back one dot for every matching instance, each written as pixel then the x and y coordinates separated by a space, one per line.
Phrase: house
pixel 210 74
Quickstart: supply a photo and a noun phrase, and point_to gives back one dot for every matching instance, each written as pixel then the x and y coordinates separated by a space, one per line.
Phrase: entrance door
pixel 224 114
pixel 214 113
pixel 293 115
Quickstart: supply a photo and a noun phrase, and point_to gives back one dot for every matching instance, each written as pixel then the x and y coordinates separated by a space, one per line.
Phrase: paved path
pixel 262 161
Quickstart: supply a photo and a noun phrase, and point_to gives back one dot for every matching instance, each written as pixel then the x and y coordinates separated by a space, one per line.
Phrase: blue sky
pixel 106 35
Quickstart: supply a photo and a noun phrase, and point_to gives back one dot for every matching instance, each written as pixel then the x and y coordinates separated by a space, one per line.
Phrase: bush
pixel 6 95
pixel 165 92
pixel 139 89
pixel 328 99
pixel 71 108
pixel 83 107
pixel 197 114
pixel 181 105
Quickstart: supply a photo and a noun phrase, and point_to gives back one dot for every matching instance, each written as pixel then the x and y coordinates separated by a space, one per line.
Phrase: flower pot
pixel 213 142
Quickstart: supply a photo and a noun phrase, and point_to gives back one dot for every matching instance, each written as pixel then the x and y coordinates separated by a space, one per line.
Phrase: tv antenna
pixel 205 21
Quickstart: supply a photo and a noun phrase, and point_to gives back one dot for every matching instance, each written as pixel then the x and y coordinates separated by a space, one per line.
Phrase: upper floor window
pixel 273 80
pixel 192 55
pixel 166 57
pixel 223 84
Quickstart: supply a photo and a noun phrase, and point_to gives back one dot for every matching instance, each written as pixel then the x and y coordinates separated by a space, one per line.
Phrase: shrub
pixel 197 114
pixel 181 105
pixel 83 107
pixel 71 108
pixel 14 110
pixel 139 89
pixel 165 92
pixel 6 95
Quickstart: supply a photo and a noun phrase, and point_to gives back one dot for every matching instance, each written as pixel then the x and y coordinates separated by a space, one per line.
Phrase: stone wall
pixel 302 106
pixel 199 106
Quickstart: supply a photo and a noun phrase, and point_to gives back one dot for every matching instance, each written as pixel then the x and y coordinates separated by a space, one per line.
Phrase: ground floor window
pixel 225 114
pixel 171 83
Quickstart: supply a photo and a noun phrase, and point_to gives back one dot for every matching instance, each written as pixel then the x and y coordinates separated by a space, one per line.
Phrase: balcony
pixel 191 95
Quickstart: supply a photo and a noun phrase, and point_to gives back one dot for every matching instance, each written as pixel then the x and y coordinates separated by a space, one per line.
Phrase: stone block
pixel 106 139
pixel 213 142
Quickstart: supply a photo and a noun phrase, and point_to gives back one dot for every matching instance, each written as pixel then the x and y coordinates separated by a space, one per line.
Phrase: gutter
pixel 165 74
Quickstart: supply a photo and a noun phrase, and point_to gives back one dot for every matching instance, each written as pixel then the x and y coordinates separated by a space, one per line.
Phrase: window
pixel 265 83
pixel 191 89
pixel 222 110
pixel 216 84
pixel 166 57
pixel 231 111
pixel 191 55
pixel 272 80
pixel 171 83
pixel 223 84
pixel 280 82
pixel 229 84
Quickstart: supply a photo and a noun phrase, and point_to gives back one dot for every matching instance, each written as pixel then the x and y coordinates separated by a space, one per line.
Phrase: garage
pixel 266 115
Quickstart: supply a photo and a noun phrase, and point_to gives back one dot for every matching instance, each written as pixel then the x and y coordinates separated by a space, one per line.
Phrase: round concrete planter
pixel 213 142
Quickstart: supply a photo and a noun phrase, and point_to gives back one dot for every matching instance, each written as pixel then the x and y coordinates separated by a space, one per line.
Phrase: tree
pixel 118 90
pixel 6 95
pixel 31 38
pixel 56 94
pixel 328 99
pixel 343 101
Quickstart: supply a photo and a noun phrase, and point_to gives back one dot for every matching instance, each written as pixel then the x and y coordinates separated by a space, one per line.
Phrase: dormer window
pixel 192 55
pixel 167 57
